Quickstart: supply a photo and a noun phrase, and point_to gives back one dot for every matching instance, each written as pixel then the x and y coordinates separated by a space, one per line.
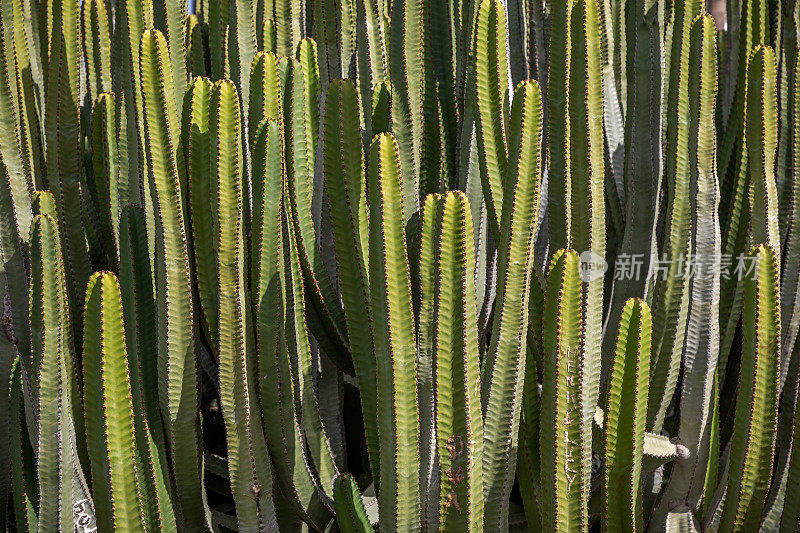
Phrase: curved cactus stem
pixel 350 513
pixel 626 413
pixel 326 318
pixel 502 372
pixel 753 439
pixel 394 340
pixel 345 187
pixel 109 408
pixel 178 393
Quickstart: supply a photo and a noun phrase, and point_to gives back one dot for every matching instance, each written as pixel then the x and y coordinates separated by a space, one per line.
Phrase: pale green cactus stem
pixel 178 394
pixel 586 175
pixel 250 473
pixel 753 439
pixel 690 479
pixel 626 412
pixel 394 341
pixel 491 122
pixel 265 96
pixel 109 408
pixel 456 374
pixel 561 432
pixel 758 215
pixel 407 71
pixel 60 477
pixel 503 367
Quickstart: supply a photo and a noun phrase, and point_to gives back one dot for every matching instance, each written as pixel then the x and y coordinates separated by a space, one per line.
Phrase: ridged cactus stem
pixel 394 341
pixel 753 439
pixel 626 412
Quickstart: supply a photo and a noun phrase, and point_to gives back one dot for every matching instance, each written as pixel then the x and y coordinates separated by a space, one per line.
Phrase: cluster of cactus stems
pixel 338 265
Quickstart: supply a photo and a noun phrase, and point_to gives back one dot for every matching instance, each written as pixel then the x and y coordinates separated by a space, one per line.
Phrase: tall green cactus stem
pixel 326 317
pixel 408 71
pixel 249 472
pixel 558 126
pixel 587 229
pixel 491 123
pixel 561 437
pixel 60 478
pixel 64 160
pixel 24 488
pixel 394 341
pixel 105 158
pixel 178 393
pixel 109 408
pixel 265 93
pixel 273 284
pixel 97 47
pixel 702 341
pixel 754 213
pixel 345 187
pixel 753 439
pixel 201 190
pixel 671 300
pixel 138 307
pixel 459 424
pixel 502 373
pixel 625 418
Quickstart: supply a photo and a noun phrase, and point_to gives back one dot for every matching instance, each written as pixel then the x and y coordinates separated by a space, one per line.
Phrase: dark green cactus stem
pixel 346 190
pixel 350 513
pixel 109 408
pixel 394 341
pixel 626 412
pixel 753 439
pixel 196 33
pixel 178 394
pixel 105 158
pixel 97 47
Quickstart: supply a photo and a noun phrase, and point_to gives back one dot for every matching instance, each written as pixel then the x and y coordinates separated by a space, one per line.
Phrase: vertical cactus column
pixel 178 393
pixel 394 341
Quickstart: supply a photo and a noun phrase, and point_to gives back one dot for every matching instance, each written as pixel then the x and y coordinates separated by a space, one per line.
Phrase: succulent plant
pixel 447 265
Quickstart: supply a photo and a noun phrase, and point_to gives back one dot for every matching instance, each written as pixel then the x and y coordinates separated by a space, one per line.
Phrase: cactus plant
pixel 339 265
